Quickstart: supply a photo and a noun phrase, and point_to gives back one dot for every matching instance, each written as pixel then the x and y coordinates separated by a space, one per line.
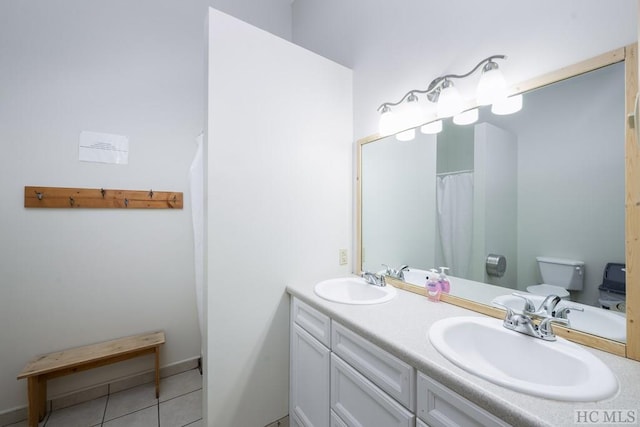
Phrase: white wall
pixel 74 277
pixel 278 207
pixel 273 16
pixel 397 46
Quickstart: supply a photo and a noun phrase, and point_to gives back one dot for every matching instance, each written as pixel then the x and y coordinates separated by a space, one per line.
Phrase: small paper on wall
pixel 103 148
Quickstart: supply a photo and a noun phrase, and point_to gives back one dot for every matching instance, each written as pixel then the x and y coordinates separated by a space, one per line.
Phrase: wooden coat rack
pixel 59 197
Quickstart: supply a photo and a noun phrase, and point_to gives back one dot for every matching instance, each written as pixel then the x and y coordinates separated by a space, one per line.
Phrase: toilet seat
pixel 545 290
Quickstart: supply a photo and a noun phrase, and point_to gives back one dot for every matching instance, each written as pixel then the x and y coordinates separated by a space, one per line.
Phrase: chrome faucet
pixel 523 324
pixel 395 273
pixel 549 304
pixel 546 309
pixel 373 278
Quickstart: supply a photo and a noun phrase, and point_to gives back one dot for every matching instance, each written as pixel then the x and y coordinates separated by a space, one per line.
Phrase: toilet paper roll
pixel 496 265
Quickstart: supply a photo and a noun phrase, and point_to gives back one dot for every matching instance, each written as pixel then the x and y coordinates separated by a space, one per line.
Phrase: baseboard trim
pixel 16 415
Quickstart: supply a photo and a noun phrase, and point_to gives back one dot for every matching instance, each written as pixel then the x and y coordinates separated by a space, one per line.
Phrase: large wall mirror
pixel 548 181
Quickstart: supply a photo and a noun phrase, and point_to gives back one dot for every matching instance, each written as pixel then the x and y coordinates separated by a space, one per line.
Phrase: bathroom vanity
pixel 373 365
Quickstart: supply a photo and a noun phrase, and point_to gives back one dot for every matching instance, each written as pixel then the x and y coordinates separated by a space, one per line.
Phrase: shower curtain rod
pixel 454 172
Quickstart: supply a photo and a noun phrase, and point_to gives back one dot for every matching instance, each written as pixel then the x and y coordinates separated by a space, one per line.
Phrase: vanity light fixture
pixel 492 89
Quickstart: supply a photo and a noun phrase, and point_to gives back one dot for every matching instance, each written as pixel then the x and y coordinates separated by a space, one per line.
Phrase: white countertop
pixel 401 325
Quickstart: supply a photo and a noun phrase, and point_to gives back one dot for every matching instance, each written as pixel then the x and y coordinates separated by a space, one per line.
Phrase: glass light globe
pixel 466 117
pixel 509 105
pixel 432 128
pixel 492 85
pixel 413 113
pixel 406 135
pixel 386 125
pixel 449 101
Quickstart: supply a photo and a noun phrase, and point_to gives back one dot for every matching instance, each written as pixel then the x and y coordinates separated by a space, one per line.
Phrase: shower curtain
pixel 196 178
pixel 455 220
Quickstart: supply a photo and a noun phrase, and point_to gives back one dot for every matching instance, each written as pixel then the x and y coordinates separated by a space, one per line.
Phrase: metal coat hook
pixel 126 202
pixel 103 192
pixel 151 194
pixel 39 195
pixel 71 201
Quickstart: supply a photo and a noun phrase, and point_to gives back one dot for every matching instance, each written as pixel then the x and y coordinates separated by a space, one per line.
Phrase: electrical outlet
pixel 343 256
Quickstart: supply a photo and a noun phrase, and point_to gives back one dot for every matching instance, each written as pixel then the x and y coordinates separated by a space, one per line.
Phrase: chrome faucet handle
pixel 367 276
pixel 529 306
pixel 509 313
pixel 561 313
pixel 545 330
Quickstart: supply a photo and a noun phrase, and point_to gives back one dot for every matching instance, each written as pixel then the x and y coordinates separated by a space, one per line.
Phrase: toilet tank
pixel 566 273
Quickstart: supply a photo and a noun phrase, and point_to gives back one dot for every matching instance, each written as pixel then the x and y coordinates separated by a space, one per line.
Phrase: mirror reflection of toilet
pixel 559 276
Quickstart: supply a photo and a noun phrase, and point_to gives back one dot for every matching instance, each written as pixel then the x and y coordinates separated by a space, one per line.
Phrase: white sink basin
pixel 559 370
pixel 593 320
pixel 354 290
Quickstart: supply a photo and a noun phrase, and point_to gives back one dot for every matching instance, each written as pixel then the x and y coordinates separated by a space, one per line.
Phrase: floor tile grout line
pixel 180 395
pixel 106 404
pixel 129 413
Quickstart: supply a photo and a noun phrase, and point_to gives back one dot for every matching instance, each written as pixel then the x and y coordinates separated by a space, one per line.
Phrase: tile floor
pixel 179 405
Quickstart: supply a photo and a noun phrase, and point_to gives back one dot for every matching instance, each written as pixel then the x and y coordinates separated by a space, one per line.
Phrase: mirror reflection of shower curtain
pixel 455 220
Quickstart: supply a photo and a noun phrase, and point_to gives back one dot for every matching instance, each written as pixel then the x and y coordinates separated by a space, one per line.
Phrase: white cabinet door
pixel 336 421
pixel 360 403
pixel 309 378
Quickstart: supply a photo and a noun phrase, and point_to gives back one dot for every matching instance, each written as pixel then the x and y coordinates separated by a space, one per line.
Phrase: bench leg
pixel 157 372
pixel 37 389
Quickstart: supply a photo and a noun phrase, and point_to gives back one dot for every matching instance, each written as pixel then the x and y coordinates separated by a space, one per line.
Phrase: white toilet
pixel 559 276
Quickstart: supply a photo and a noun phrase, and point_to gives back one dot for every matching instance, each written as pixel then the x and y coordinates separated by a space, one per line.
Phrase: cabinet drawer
pixel 312 321
pixel 359 402
pixel 388 372
pixel 439 406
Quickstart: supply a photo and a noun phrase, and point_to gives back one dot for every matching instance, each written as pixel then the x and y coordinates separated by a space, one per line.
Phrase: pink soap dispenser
pixel 433 286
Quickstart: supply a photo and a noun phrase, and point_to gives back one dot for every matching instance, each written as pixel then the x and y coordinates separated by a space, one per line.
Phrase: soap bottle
pixel 445 284
pixel 433 286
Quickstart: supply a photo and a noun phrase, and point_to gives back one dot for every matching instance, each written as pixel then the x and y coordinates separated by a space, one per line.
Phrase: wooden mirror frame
pixel 630 349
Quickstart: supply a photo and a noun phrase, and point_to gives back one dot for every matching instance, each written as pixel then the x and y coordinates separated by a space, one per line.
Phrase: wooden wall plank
pixel 61 197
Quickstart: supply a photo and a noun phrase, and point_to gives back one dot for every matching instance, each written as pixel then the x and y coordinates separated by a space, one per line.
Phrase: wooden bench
pixel 52 365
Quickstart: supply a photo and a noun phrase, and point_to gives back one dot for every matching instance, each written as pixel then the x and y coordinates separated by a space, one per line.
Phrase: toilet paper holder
pixel 496 265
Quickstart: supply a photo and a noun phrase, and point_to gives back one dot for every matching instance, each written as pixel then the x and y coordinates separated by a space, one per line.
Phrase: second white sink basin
pixel 559 370
pixel 354 290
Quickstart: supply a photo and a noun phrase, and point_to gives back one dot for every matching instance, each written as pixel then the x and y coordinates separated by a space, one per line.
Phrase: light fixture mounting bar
pixel 434 87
